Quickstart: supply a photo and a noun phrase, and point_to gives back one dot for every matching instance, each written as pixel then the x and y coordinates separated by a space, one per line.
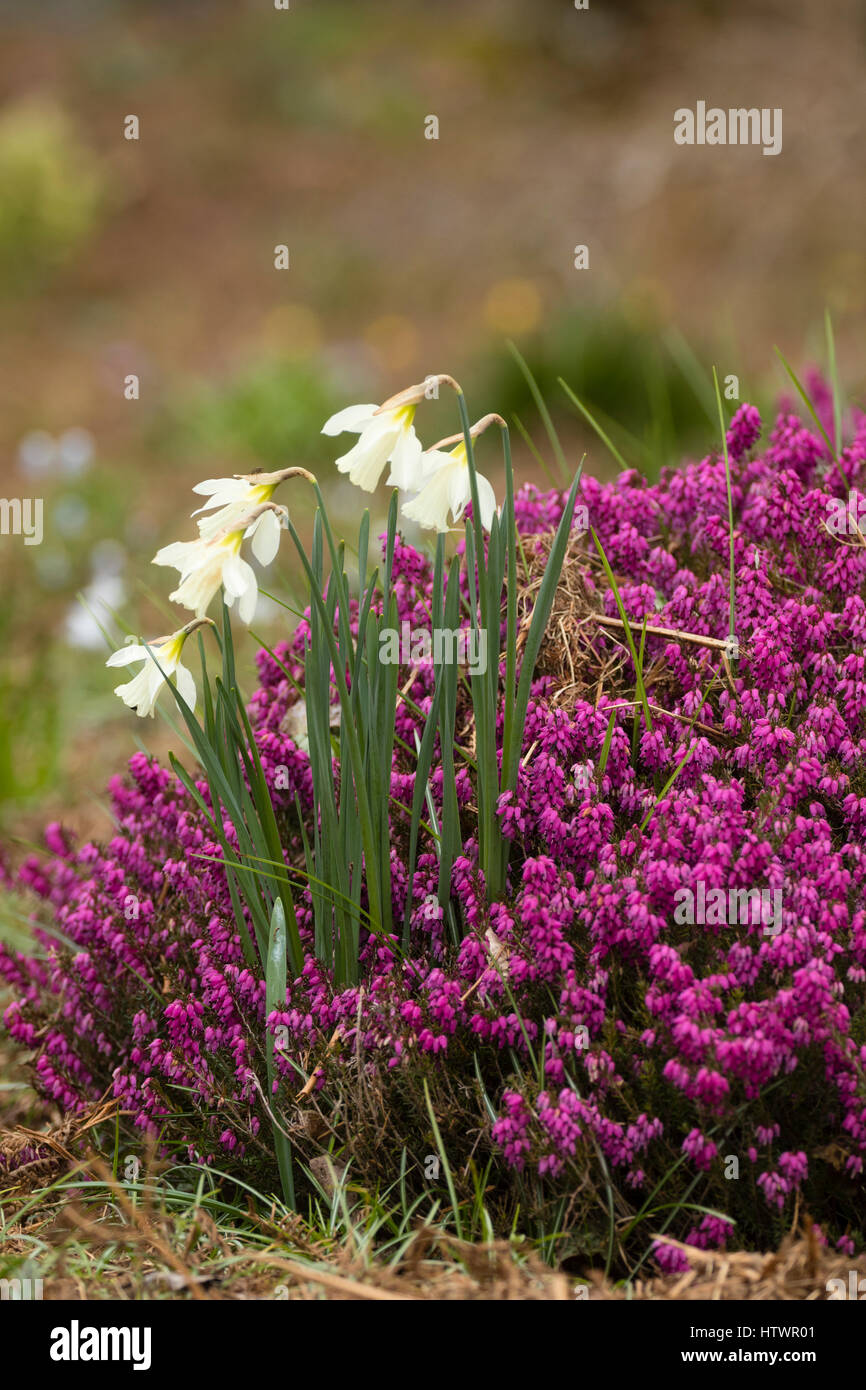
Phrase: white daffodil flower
pixel 386 436
pixel 215 560
pixel 446 488
pixel 161 658
pixel 231 499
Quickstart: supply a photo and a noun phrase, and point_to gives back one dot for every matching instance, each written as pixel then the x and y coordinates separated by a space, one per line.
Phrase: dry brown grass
pixel 797 1272
pixel 122 1249
pixel 584 652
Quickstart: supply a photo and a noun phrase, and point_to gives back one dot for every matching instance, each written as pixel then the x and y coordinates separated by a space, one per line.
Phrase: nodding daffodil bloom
pixel 161 658
pixel 234 497
pixel 208 563
pixel 387 435
pixel 446 488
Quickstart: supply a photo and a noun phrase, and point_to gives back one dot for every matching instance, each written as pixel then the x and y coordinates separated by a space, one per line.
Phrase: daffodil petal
pixel 365 462
pixel 486 501
pixel 234 575
pixel 430 508
pixel 353 417
pixel 266 537
pixel 212 485
pixel 248 600
pixel 406 457
pixel 431 461
pixel 177 555
pixel 124 656
pixel 459 490
pixel 185 685
pixel 140 693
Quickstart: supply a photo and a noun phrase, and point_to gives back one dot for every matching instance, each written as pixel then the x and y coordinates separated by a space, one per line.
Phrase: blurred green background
pixel 407 256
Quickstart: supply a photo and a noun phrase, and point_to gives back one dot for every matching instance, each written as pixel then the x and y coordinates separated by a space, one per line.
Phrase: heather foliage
pixel 536 1022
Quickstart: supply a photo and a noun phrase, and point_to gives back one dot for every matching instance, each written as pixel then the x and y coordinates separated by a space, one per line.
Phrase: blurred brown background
pixel 408 256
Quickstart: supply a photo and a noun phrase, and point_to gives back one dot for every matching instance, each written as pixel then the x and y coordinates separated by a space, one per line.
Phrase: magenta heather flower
pixel 743 431
pixel 669 1259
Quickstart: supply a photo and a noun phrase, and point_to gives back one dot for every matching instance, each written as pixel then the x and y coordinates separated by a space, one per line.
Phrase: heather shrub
pixel 656 1022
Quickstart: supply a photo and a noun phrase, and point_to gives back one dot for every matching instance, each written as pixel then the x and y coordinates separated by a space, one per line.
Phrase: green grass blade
pixel 537 627
pixel 834 382
pixel 807 401
pixel 732 601
pixel 542 408
pixel 605 751
pixel 591 420
pixel 641 692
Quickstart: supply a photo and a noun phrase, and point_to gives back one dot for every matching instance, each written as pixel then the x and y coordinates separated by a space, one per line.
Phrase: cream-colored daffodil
pixel 387 435
pixel 215 560
pixel 161 658
pixel 230 499
pixel 446 489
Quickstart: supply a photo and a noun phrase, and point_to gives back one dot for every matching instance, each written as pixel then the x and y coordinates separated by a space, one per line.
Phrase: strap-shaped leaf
pixel 275 999
pixel 537 626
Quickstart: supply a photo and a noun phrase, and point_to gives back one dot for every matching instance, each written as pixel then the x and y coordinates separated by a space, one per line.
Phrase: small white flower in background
pixel 209 563
pixel 36 453
pixel 161 660
pixel 446 489
pixel 75 450
pixel 106 591
pixel 39 453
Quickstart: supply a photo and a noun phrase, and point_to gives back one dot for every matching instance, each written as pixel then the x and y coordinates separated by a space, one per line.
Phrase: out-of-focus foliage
pixel 52 191
pixel 269 415
pixel 646 386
